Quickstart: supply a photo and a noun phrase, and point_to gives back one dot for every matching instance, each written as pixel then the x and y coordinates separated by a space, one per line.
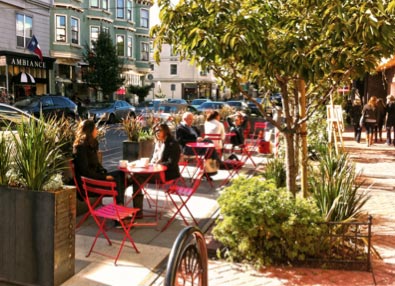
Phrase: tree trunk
pixel 303 134
pixel 291 167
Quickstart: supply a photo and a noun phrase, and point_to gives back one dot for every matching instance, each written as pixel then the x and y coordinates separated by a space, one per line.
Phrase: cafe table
pixel 150 171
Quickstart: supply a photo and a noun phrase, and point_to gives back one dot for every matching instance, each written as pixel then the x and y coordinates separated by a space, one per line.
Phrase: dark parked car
pixel 111 112
pixel 49 105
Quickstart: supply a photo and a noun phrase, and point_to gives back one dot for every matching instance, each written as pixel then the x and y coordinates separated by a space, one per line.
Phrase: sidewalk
pixel 146 268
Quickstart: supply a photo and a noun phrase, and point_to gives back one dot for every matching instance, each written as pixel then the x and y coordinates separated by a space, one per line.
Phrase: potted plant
pixel 37 212
pixel 140 142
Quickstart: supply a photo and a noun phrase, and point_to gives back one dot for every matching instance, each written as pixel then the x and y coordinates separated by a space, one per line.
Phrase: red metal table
pixel 150 171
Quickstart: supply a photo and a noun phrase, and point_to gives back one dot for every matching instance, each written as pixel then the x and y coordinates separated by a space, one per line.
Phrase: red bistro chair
pixel 96 202
pixel 124 215
pixel 217 140
pixel 183 194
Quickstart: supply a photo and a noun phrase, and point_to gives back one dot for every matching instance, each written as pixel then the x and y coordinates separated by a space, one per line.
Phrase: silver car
pixel 111 112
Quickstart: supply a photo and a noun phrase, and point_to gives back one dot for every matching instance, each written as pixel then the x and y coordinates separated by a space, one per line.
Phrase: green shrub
pixel 263 225
pixel 275 169
pixel 335 188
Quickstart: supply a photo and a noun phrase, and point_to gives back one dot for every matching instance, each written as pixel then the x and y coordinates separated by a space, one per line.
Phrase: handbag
pixel 362 120
pixel 211 166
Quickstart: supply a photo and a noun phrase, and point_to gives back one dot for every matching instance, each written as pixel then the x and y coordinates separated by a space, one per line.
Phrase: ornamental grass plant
pixel 38 156
pixel 335 185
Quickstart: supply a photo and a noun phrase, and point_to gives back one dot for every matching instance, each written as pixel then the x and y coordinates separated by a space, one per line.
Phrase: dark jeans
pixel 357 132
pixel 389 128
pixel 119 178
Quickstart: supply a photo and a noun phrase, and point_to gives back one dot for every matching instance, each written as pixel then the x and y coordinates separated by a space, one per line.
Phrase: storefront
pixel 24 75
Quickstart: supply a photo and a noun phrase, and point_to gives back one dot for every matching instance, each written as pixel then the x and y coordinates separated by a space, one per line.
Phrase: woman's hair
pixel 372 101
pixel 84 133
pixel 165 128
pixel 213 115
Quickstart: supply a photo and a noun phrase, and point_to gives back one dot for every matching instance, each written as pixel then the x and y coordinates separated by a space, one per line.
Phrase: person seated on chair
pixel 238 123
pixel 166 152
pixel 187 133
pixel 86 160
pixel 214 126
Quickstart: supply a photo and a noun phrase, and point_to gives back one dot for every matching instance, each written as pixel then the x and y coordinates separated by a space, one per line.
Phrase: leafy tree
pixel 105 68
pixel 303 48
pixel 140 91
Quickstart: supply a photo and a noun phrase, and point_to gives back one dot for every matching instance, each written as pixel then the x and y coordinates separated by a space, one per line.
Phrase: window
pixel 144 51
pixel 130 47
pixel 24 30
pixel 94 3
pixel 75 31
pixel 120 9
pixel 144 18
pixel 120 45
pixel 129 11
pixel 104 4
pixel 173 69
pixel 94 34
pixel 60 28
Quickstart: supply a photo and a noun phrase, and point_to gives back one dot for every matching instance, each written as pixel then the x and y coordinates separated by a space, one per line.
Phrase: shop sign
pixel 23 62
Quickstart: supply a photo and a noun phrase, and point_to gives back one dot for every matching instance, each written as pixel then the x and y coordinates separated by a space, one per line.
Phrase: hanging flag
pixel 34 47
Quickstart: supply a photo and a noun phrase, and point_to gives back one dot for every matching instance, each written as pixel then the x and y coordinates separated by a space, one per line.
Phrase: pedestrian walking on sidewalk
pixel 355 115
pixel 369 113
pixel 390 124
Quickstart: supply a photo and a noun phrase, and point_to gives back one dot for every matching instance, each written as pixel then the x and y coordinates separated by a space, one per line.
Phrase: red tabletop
pixel 200 145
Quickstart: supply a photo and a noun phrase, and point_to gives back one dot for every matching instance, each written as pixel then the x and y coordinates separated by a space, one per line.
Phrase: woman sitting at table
pixel 213 125
pixel 166 152
pixel 238 124
pixel 86 161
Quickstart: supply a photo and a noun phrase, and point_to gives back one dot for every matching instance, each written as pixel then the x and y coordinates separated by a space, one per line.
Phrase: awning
pixel 24 78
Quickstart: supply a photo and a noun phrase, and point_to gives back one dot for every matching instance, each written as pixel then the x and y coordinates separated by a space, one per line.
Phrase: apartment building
pixel 21 71
pixel 175 79
pixel 63 30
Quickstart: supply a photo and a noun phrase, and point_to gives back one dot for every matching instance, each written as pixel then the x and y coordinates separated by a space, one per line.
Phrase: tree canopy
pixel 105 68
pixel 304 48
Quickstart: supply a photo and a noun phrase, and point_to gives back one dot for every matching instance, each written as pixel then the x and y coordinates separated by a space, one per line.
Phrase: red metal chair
pixel 124 215
pixel 96 202
pixel 217 140
pixel 183 194
pixel 233 167
pixel 259 130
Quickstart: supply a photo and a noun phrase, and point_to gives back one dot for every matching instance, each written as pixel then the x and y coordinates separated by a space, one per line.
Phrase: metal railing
pixel 188 260
pixel 349 246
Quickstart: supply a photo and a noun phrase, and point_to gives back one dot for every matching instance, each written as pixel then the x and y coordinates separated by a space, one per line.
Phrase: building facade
pixel 22 72
pixel 64 29
pixel 77 23
pixel 175 79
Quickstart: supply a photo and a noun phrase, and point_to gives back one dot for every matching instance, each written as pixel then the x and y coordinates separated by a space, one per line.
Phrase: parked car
pixel 212 105
pixel 239 105
pixel 49 105
pixel 11 115
pixel 178 101
pixel 111 112
pixel 198 101
pixel 149 105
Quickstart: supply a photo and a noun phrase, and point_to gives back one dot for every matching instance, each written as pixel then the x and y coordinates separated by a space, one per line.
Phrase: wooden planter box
pixel 37 241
